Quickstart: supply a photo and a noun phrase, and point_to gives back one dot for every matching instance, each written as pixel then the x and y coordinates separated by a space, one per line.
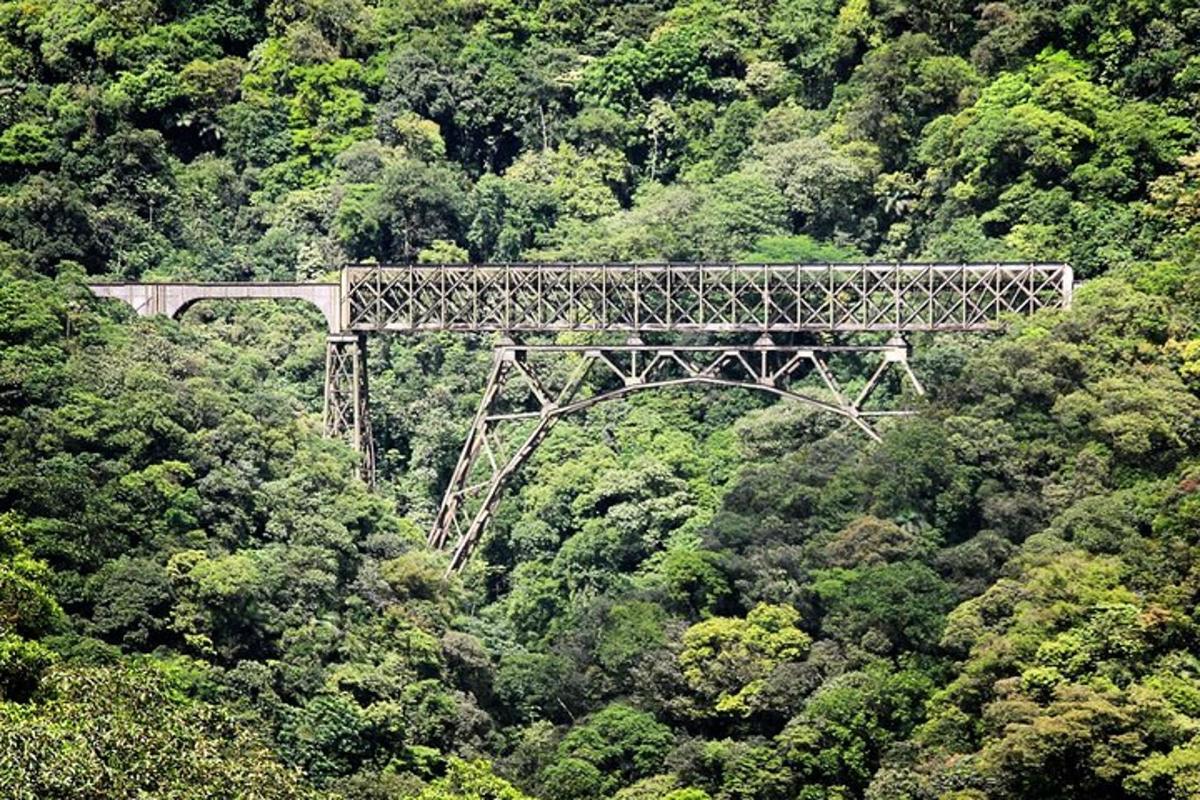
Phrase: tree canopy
pixel 689 595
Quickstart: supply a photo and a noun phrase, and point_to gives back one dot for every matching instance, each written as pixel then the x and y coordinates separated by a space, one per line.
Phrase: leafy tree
pixel 535 685
pixel 611 748
pixel 96 730
pixel 902 602
pixel 325 737
pixel 689 594
pixel 470 780
pixel 28 612
pixel 727 660
pixel 841 735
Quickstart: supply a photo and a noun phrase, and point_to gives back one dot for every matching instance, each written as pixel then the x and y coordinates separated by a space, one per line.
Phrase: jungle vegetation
pixel 699 595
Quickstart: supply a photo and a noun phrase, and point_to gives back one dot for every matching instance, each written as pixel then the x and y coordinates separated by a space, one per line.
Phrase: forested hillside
pixel 691 595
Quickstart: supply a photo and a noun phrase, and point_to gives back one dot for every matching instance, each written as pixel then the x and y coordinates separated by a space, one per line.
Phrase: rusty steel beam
pixel 347 411
pixel 710 298
pixel 531 387
pixel 705 298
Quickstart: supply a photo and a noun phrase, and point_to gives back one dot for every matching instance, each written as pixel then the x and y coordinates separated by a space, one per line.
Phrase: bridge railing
pixel 697 297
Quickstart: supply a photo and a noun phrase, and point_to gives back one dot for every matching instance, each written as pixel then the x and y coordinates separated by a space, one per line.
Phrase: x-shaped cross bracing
pixel 634 299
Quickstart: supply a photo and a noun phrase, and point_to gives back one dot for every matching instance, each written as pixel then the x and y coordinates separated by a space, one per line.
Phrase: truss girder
pixel 697 297
pixel 633 298
pixel 347 414
pixel 531 387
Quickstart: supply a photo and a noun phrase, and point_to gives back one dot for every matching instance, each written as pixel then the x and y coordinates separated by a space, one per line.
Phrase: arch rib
pixel 470 502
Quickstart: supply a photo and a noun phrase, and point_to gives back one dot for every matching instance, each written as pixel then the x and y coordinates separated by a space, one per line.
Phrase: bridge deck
pixel 632 298
pixel 697 297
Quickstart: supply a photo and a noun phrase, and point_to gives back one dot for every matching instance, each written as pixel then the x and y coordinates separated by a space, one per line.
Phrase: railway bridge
pixel 777 328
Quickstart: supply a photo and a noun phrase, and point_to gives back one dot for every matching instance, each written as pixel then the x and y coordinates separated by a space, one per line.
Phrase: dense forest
pixel 687 595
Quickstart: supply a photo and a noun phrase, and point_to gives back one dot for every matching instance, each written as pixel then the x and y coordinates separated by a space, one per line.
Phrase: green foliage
pixel 845 727
pixel 325 737
pixel 728 661
pixel 631 630
pixel 798 249
pixel 470 780
pixel 612 747
pixel 898 606
pixel 684 595
pixel 691 579
pixel 28 611
pixel 126 732
pixel 535 685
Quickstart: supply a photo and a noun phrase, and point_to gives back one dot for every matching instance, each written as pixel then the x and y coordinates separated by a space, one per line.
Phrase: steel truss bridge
pixel 775 324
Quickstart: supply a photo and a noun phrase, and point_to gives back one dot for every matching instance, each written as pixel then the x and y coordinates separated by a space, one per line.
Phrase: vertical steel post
pixel 347 411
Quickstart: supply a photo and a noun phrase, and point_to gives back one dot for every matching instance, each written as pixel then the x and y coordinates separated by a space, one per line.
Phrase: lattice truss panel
pixel 347 414
pixel 697 297
pixel 531 387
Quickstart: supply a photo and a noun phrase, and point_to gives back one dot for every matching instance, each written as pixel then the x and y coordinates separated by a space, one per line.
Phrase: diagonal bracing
pixel 531 387
pixel 702 297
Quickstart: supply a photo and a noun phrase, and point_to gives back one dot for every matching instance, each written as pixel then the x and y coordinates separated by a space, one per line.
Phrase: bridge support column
pixel 484 464
pixel 347 414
